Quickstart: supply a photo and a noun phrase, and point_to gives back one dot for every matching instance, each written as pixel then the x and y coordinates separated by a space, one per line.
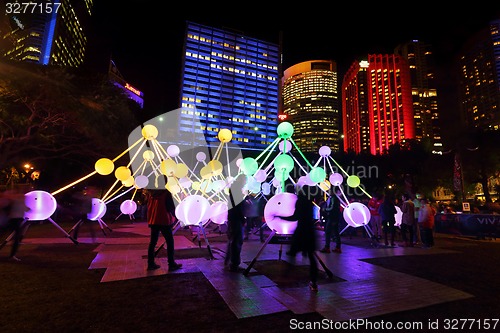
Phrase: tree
pixel 52 114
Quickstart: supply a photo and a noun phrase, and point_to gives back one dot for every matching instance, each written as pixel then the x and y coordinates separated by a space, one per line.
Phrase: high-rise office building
pixel 49 32
pixel 229 81
pixel 423 90
pixel 355 106
pixel 479 73
pixel 310 104
pixel 390 109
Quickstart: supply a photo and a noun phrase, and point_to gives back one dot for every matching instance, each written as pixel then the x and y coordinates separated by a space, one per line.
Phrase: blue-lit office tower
pixel 52 34
pixel 228 81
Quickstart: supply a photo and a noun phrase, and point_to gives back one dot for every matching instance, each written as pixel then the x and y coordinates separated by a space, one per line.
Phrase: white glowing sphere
pixel 325 151
pixel 185 182
pixel 193 210
pixel 173 150
pixel 40 204
pixel 282 204
pixel 266 188
pixel 128 207
pixel 356 214
pixel 398 216
pixel 218 212
pixel 238 162
pixel 260 175
pixel 98 209
pixel 201 156
pixel 141 181
pixel 336 179
pixel 218 185
pixel 285 146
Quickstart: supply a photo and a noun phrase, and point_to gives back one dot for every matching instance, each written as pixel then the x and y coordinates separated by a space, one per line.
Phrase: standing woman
pixel 161 218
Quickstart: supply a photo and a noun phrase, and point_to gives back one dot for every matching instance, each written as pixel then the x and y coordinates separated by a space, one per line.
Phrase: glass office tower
pixel 228 81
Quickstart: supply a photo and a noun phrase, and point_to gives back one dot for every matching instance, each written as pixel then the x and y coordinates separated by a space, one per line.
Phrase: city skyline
pixel 146 45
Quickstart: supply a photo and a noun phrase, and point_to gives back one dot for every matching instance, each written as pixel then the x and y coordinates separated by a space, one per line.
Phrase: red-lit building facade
pixel 377 104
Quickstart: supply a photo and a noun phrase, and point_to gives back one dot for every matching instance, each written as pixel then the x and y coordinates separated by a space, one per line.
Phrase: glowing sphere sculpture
pixel 104 166
pixel 128 207
pixel 224 135
pixel 260 175
pixel 41 205
pixel 282 204
pixel 336 179
pixel 148 155
pixel 285 146
pixel 266 188
pixel 141 181
pixel 353 181
pixel 123 173
pixel 317 174
pixel 181 170
pixel 193 210
pixel 218 212
pixel 167 167
pixel 356 214
pixel 325 151
pixel 173 150
pixel 98 209
pixel 283 163
pixel 249 166
pixel 149 132
pixel 398 216
pixel 285 130
pixel 201 156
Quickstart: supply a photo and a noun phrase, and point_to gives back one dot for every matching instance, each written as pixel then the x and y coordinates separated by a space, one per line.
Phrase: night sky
pixel 145 40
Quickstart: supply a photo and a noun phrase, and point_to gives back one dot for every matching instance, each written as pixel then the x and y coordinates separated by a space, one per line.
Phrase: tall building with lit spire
pixel 52 34
pixel 310 104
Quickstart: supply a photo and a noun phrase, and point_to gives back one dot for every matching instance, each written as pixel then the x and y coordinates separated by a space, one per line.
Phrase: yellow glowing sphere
pixel 173 188
pixel 225 135
pixel 128 182
pixel 196 186
pixel 325 185
pixel 122 173
pixel 167 167
pixel 148 155
pixel 212 169
pixel 149 132
pixel 181 170
pixel 104 166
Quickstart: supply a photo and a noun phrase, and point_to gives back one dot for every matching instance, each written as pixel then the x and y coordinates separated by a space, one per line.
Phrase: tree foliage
pixel 50 114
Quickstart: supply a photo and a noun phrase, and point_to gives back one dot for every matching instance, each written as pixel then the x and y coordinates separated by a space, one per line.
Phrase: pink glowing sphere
pixel 282 204
pixel 193 210
pixel 40 204
pixel 356 214
pixel 128 207
pixel 218 212
pixel 98 210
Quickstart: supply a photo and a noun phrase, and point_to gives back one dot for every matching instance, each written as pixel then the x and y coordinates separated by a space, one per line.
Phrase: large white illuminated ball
pixel 282 204
pixel 193 210
pixel 398 216
pixel 40 205
pixel 98 209
pixel 128 207
pixel 356 214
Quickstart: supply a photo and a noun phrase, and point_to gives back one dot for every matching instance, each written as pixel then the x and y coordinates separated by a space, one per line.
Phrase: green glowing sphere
pixel 353 181
pixel 283 162
pixel 249 166
pixel 317 174
pixel 285 130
